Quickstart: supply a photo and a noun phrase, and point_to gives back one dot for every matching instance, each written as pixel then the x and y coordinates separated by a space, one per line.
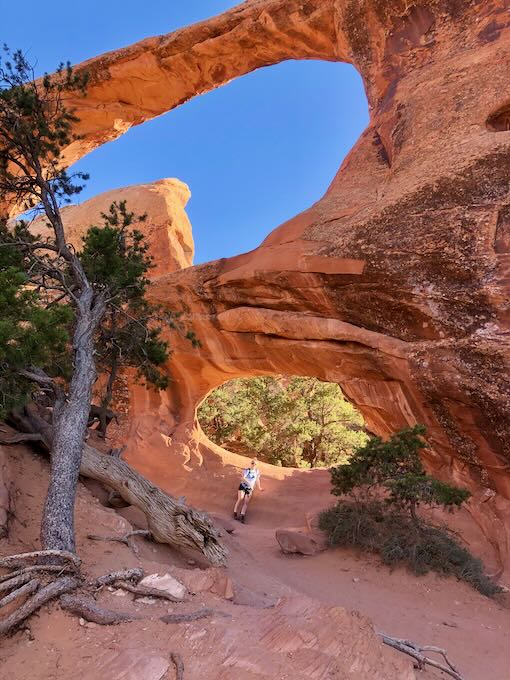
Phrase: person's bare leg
pixel 246 501
pixel 240 496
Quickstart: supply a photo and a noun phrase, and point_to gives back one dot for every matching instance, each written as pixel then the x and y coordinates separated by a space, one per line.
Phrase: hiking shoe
pixel 236 516
pixel 242 519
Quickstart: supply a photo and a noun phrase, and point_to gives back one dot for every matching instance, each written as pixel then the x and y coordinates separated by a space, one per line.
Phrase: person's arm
pixel 258 482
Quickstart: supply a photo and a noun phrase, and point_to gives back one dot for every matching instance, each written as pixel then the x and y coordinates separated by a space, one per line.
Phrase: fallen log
pixel 169 520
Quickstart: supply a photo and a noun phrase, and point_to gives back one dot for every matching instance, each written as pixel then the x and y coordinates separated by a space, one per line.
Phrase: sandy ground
pixel 444 612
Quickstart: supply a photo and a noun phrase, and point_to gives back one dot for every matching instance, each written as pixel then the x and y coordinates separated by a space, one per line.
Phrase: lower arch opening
pixel 288 421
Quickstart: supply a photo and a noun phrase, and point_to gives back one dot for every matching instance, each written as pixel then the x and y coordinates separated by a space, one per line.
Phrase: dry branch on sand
pixel 417 652
pixel 188 616
pixel 126 540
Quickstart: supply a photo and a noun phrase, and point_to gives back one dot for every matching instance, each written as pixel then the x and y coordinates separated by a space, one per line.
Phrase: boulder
pixel 214 580
pixel 293 541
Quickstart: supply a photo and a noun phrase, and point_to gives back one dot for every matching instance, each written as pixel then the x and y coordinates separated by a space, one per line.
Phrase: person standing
pixel 249 479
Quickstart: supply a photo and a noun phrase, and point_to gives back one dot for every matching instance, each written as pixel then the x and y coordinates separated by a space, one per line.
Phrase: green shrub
pixel 395 467
pixel 375 527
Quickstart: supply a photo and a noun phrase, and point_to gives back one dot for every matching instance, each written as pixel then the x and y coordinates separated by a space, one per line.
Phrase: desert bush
pixel 398 540
pixel 382 486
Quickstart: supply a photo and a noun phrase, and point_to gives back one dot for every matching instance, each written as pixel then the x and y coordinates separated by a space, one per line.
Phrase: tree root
pixel 417 653
pixel 179 665
pixel 59 568
pixel 126 540
pixel 62 585
pixel 135 574
pixel 88 610
pixel 14 582
pixel 26 589
pixel 21 559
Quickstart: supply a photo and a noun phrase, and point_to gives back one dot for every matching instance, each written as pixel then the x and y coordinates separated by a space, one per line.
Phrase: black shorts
pixel 246 488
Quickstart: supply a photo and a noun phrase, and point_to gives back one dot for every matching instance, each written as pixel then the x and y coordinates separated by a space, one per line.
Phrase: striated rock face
pixel 396 283
pixel 167 228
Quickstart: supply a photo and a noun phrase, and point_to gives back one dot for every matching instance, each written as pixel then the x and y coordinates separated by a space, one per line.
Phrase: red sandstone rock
pixel 167 228
pixel 292 541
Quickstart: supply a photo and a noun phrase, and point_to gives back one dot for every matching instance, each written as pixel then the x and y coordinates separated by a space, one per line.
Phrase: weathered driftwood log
pixel 169 520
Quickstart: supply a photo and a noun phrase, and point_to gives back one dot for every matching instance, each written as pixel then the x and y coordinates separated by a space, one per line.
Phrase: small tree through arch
pixel 288 421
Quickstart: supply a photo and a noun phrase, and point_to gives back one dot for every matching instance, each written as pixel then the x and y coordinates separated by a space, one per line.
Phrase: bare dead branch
pixel 87 608
pixel 126 540
pixel 415 651
pixel 54 589
pixel 27 589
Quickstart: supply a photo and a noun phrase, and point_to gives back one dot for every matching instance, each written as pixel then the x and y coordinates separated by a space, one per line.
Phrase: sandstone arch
pixel 396 283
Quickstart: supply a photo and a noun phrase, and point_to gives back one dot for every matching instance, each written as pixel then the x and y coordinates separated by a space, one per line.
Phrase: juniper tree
pixel 99 293
pixel 32 333
pixel 115 258
pixel 395 466
pixel 381 488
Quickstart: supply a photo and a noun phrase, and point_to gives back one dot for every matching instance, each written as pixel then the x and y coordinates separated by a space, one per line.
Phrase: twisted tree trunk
pixel 69 429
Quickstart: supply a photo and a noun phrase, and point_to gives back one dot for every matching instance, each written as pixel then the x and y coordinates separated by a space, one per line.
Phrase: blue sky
pixel 254 153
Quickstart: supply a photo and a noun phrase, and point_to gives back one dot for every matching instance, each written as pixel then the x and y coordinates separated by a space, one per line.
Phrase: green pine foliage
pixel 115 258
pixel 36 127
pixel 395 466
pixel 296 422
pixel 31 334
pixel 381 488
